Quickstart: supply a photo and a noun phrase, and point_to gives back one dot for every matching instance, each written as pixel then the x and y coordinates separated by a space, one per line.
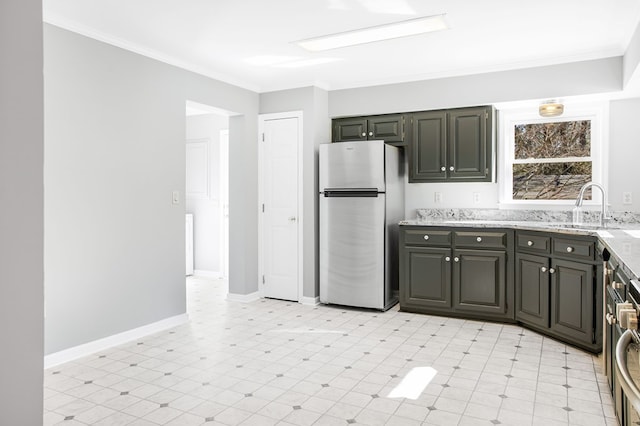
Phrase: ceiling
pixel 249 42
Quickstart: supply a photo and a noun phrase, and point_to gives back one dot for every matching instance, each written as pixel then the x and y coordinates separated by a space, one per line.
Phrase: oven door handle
pixel 631 391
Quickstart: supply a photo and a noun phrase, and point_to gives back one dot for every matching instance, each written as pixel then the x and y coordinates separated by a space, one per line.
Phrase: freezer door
pixel 352 243
pixel 352 165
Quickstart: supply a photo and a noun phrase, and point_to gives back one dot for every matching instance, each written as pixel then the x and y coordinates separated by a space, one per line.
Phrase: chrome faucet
pixel 603 210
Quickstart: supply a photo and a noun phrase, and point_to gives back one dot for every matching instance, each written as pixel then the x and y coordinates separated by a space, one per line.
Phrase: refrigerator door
pixel 352 251
pixel 352 165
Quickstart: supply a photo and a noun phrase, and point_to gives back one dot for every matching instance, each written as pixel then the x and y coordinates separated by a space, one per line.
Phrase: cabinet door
pixel 428 154
pixel 532 289
pixel 469 144
pixel 389 128
pixel 425 278
pixel 350 129
pixel 479 281
pixel 572 296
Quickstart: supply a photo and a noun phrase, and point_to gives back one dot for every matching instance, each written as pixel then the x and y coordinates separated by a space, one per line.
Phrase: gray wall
pixel 313 102
pixel 207 211
pixel 590 77
pixel 576 78
pixel 114 136
pixel 21 214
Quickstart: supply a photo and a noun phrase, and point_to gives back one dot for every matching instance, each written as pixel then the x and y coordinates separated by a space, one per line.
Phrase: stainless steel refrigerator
pixel 361 203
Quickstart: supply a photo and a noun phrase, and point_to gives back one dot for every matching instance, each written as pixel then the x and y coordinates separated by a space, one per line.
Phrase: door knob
pixel 451 168
pixel 456 259
pixel 543 269
pixel 443 168
pixel 551 270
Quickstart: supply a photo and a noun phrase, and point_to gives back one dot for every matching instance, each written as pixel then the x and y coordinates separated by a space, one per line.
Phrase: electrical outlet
pixel 476 198
pixel 626 198
pixel 437 197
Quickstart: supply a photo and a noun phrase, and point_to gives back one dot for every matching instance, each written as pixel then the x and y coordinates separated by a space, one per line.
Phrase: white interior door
pixel 281 221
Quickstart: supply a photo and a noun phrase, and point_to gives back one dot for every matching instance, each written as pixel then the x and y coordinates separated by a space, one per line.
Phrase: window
pixel 548 160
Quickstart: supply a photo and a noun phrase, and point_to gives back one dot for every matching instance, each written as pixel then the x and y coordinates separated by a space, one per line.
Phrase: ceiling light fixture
pixel 378 33
pixel 551 108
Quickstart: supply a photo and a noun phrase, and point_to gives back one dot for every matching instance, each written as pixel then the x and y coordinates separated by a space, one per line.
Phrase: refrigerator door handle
pixel 351 192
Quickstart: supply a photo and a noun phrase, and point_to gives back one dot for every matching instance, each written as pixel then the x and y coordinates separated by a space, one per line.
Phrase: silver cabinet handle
pixel 479 239
pixel 610 319
pixel 529 243
pixel 543 269
pixel 447 259
pixel 364 134
pixel 569 249
pixel 631 391
pixel 552 271
pixel 456 259
pixel 451 168
pixel 443 168
pixel 426 237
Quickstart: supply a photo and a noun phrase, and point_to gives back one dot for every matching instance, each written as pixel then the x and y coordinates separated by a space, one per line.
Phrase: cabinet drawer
pixel 427 237
pixel 533 242
pixel 479 239
pixel 578 249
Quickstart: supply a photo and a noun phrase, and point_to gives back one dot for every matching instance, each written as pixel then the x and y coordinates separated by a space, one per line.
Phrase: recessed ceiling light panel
pixel 378 33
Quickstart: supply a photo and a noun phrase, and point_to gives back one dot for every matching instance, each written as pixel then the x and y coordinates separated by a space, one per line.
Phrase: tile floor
pixel 280 363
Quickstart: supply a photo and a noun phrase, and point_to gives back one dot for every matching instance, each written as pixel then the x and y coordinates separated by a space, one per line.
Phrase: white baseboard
pixel 207 274
pixel 243 298
pixel 312 301
pixel 89 348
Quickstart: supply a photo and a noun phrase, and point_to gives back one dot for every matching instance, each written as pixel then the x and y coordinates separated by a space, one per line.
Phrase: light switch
pixel 626 198
pixel 437 197
pixel 175 197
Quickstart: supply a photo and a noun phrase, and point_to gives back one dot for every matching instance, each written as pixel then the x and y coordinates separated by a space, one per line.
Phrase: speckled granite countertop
pixel 621 237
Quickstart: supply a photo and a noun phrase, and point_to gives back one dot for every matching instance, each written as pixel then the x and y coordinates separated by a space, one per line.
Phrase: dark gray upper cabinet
pixel 388 127
pixel 452 145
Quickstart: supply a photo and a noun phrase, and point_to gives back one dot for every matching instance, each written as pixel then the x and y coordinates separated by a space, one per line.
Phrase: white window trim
pixel 598 113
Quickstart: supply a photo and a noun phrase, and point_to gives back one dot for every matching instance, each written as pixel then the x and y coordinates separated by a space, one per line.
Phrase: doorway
pixel 206 188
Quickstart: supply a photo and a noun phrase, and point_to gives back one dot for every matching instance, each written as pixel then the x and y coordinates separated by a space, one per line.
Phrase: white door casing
pixel 280 242
pixel 224 202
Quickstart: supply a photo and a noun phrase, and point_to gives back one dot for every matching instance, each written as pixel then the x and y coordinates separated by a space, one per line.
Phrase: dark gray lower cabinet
pixel 572 299
pixel 558 284
pixel 427 283
pixel 548 282
pixel 440 275
pixel 479 281
pixel 532 289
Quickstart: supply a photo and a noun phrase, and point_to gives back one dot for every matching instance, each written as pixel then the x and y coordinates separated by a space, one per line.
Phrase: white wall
pixel 21 212
pixel 206 208
pixel 115 150
pixel 624 152
pixel 313 102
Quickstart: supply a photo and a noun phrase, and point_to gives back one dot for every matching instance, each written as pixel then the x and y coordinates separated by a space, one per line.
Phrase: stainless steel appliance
pixel 621 343
pixel 361 203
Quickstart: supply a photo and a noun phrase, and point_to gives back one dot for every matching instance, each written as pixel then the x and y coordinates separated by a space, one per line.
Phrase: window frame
pixel 508 118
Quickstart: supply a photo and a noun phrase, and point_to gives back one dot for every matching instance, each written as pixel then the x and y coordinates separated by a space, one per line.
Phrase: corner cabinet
pixel 549 282
pixel 559 286
pixel 389 127
pixel 461 272
pixel 453 145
